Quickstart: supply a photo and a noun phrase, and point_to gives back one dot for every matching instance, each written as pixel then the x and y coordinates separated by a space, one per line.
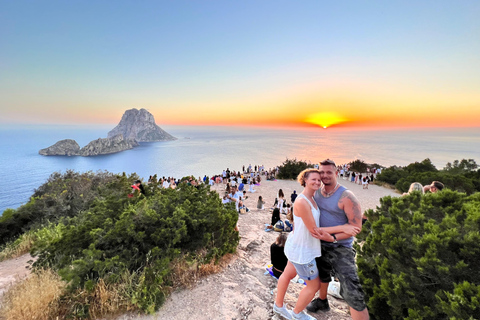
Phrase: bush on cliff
pixel 135 243
pixel 62 196
pixel 290 168
pixel 420 257
pixel 461 176
pixel 358 166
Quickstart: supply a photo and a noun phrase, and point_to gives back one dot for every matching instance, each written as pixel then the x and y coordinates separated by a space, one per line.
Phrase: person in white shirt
pixel 165 184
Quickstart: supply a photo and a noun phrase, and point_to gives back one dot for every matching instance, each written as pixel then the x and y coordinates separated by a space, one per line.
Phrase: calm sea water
pixel 208 150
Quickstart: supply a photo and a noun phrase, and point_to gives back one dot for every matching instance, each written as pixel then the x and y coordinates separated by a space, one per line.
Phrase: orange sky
pixel 371 66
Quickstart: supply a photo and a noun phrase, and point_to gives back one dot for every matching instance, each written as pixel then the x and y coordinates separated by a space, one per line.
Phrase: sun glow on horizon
pixel 325 119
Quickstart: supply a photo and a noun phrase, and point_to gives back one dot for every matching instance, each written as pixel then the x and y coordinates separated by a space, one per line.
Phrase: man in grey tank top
pixel 341 216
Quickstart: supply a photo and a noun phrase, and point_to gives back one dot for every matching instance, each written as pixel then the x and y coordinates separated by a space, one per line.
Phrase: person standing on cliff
pixel 341 216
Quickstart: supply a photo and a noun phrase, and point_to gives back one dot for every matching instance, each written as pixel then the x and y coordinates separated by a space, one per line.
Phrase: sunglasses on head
pixel 328 162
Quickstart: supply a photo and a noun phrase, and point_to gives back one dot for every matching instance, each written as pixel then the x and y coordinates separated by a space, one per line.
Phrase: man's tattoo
pixel 356 209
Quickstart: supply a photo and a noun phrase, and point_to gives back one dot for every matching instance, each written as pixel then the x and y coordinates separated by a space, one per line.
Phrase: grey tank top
pixel 332 215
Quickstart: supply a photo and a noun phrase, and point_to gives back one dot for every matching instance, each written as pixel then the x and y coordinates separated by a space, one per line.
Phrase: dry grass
pixel 386 185
pixel 18 247
pixel 185 274
pixel 107 299
pixel 36 297
pixel 43 295
pixel 103 300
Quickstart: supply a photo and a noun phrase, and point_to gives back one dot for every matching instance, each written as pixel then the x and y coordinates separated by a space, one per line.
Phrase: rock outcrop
pixel 67 147
pixel 135 126
pixel 140 125
pixel 97 147
pixel 107 146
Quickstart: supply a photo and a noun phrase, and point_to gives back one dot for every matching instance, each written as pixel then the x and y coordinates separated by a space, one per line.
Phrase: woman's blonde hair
pixel 302 176
pixel 416 186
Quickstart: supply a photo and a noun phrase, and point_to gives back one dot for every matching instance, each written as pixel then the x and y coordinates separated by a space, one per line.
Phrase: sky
pixel 281 63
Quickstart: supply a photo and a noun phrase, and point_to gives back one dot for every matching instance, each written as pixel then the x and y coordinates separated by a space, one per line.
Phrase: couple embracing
pixel 326 217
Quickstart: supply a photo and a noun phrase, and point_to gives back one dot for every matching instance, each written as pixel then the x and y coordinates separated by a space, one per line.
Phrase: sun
pixel 325 119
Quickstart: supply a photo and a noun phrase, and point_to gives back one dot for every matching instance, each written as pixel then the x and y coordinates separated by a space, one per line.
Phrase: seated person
pixel 241 207
pixel 275 216
pixel 225 198
pixel 260 203
pixel 277 255
pixel 251 187
pixel 275 219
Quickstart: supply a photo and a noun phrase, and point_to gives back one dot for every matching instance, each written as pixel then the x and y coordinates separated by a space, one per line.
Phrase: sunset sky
pixel 283 63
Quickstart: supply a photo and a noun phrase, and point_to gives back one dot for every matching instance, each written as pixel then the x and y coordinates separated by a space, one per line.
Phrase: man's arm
pixel 349 203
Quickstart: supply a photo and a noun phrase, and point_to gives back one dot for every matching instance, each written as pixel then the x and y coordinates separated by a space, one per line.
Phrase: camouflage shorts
pixel 340 260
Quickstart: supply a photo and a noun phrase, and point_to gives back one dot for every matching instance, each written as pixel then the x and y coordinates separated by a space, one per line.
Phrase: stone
pixel 67 147
pixel 140 125
pixel 108 145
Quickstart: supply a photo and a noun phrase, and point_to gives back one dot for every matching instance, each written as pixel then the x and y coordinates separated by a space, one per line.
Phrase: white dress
pixel 301 247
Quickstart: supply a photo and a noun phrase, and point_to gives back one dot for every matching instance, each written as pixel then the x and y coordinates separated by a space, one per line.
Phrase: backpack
pixel 279 226
pixel 288 226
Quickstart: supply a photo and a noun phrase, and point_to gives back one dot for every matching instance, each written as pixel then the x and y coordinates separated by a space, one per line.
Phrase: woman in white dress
pixel 302 248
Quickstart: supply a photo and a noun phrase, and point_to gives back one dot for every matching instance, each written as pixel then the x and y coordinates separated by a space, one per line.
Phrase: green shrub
pixel 420 255
pixel 63 196
pixel 290 168
pixel 139 235
pixel 358 166
pixel 462 176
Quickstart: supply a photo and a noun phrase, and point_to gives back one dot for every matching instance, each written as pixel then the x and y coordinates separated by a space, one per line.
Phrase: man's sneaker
pixel 301 316
pixel 318 304
pixel 284 312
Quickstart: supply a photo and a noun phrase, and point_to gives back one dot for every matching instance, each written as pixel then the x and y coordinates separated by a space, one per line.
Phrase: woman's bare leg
pixel 288 274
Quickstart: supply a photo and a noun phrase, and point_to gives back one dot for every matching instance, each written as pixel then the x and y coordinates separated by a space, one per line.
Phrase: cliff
pixel 140 125
pixel 67 147
pixel 107 146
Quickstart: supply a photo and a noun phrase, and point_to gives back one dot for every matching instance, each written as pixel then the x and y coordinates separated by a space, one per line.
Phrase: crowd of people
pixel 361 178
pixel 324 217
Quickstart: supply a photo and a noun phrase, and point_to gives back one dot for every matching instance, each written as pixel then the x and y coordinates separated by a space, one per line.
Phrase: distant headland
pixel 135 126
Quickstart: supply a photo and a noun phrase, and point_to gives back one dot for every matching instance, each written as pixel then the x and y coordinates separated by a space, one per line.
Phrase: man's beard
pixel 331 182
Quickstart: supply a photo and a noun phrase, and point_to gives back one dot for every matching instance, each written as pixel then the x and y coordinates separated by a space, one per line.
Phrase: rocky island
pixel 135 126
pixel 140 125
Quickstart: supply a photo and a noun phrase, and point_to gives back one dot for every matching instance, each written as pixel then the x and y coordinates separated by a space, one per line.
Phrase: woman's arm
pixel 345 228
pixel 302 210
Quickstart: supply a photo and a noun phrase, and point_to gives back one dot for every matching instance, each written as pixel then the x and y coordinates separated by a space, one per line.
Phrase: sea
pixel 207 150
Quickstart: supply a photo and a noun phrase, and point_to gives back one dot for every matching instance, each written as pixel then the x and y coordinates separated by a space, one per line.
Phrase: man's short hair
pixel 438 185
pixel 328 162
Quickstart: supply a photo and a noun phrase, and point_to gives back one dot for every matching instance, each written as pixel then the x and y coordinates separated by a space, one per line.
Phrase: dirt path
pixel 12 270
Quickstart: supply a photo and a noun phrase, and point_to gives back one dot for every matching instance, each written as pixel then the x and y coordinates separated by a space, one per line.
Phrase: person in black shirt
pixel 275 216
pixel 277 255
pixel 293 196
